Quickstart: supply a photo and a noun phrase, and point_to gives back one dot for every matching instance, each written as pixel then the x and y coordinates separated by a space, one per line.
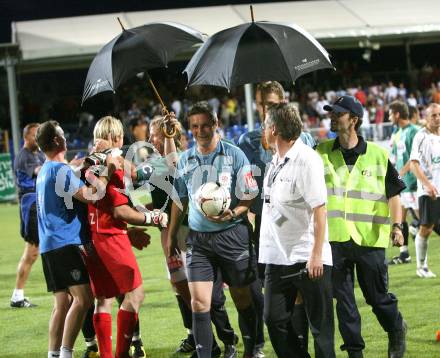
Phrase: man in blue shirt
pixel 260 155
pixel 220 242
pixel 59 228
pixel 27 164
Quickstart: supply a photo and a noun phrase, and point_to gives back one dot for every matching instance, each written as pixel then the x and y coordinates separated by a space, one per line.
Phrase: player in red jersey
pixel 112 267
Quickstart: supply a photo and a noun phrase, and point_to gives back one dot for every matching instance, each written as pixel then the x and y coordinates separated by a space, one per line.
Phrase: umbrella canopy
pixel 136 50
pixel 256 52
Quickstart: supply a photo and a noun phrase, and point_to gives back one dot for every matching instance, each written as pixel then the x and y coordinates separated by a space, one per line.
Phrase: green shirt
pixel 401 150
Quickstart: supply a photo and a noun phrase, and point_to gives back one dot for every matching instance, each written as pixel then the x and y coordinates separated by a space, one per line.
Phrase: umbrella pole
pixel 157 95
pixel 120 23
pixel 164 108
pixel 252 12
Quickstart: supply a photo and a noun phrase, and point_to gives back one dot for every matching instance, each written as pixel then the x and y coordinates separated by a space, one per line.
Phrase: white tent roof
pixel 330 21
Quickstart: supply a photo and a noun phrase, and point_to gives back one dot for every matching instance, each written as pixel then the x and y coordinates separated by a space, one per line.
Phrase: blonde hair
pixel 108 128
pixel 159 122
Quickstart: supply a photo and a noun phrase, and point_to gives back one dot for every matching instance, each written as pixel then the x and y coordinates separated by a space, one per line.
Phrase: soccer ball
pixel 212 199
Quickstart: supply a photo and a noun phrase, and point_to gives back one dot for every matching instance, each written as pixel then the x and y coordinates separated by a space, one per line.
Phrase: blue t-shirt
pixel 59 213
pixel 227 165
pixel 250 144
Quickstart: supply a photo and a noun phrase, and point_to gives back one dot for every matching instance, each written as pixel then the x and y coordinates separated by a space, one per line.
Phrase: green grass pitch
pixel 23 332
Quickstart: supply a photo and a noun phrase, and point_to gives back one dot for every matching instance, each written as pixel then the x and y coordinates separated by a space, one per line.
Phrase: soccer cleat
pixel 91 352
pixel 403 258
pixel 397 342
pixel 137 349
pixel 231 349
pixel 188 345
pixel 424 272
pixel 25 303
pixel 258 353
pixel 216 352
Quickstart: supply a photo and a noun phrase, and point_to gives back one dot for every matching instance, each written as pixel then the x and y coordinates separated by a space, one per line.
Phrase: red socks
pixel 103 328
pixel 126 325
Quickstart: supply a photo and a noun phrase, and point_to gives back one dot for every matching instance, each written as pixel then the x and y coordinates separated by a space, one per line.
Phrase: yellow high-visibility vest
pixel 357 207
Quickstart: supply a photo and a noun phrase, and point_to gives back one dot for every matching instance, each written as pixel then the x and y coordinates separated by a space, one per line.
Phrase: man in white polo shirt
pixel 294 237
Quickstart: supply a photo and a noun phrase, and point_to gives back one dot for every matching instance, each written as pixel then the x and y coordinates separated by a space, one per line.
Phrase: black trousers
pixel 279 303
pixel 372 274
pixel 219 315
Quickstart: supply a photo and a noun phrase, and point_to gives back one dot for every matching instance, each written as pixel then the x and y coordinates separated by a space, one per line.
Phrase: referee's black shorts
pixel 429 210
pixel 64 267
pixel 230 251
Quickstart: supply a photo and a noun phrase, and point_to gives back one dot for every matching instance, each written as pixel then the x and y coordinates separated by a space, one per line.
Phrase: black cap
pixel 346 104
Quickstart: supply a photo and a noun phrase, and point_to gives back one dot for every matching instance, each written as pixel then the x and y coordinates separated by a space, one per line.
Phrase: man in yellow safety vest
pixel 363 192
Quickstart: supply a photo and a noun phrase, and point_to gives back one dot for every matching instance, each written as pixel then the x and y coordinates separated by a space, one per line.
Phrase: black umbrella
pixel 137 50
pixel 256 52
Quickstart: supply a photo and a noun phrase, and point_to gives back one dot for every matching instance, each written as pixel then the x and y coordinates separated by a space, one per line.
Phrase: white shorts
pixel 409 199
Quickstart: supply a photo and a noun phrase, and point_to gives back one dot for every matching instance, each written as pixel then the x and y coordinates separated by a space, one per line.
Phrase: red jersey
pixel 101 214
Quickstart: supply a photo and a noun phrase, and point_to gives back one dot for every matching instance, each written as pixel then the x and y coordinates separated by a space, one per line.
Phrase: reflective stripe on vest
pixel 357 207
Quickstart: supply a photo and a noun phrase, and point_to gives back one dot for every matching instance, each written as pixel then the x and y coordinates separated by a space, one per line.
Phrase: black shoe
pixel 216 352
pixel 188 345
pixel 91 352
pixel 25 303
pixel 355 354
pixel 397 342
pixel 231 349
pixel 403 258
pixel 137 349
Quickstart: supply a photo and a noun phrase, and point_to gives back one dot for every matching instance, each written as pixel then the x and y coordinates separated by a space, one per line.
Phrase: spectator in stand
pixel 402 92
pixel 412 100
pixel 391 92
pixel 436 93
pixel 414 115
pixel 176 105
pixel 361 96
pixel 320 106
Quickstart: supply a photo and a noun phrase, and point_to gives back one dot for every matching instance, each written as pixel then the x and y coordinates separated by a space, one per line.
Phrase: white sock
pixel 403 248
pixel 421 250
pixel 66 352
pixel 136 338
pixel 17 295
pixel 53 354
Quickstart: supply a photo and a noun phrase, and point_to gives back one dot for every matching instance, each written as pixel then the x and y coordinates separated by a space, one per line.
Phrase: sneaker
pixel 187 345
pixel 25 303
pixel 137 349
pixel 231 349
pixel 91 352
pixel 424 272
pixel 403 258
pixel 397 342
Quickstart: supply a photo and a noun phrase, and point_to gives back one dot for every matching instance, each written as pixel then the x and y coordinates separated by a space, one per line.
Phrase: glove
pixel 156 217
pixel 96 159
pixel 144 172
pixel 138 238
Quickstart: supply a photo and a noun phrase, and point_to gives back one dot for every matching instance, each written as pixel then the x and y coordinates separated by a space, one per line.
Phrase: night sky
pixel 20 10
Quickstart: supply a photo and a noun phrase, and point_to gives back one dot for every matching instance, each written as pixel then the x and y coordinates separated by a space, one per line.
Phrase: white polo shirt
pixel 293 186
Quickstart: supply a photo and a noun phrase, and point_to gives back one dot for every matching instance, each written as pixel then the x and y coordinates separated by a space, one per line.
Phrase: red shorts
pixel 112 268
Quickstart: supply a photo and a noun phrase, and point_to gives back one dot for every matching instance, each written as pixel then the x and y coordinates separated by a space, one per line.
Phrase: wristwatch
pixel 398 226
